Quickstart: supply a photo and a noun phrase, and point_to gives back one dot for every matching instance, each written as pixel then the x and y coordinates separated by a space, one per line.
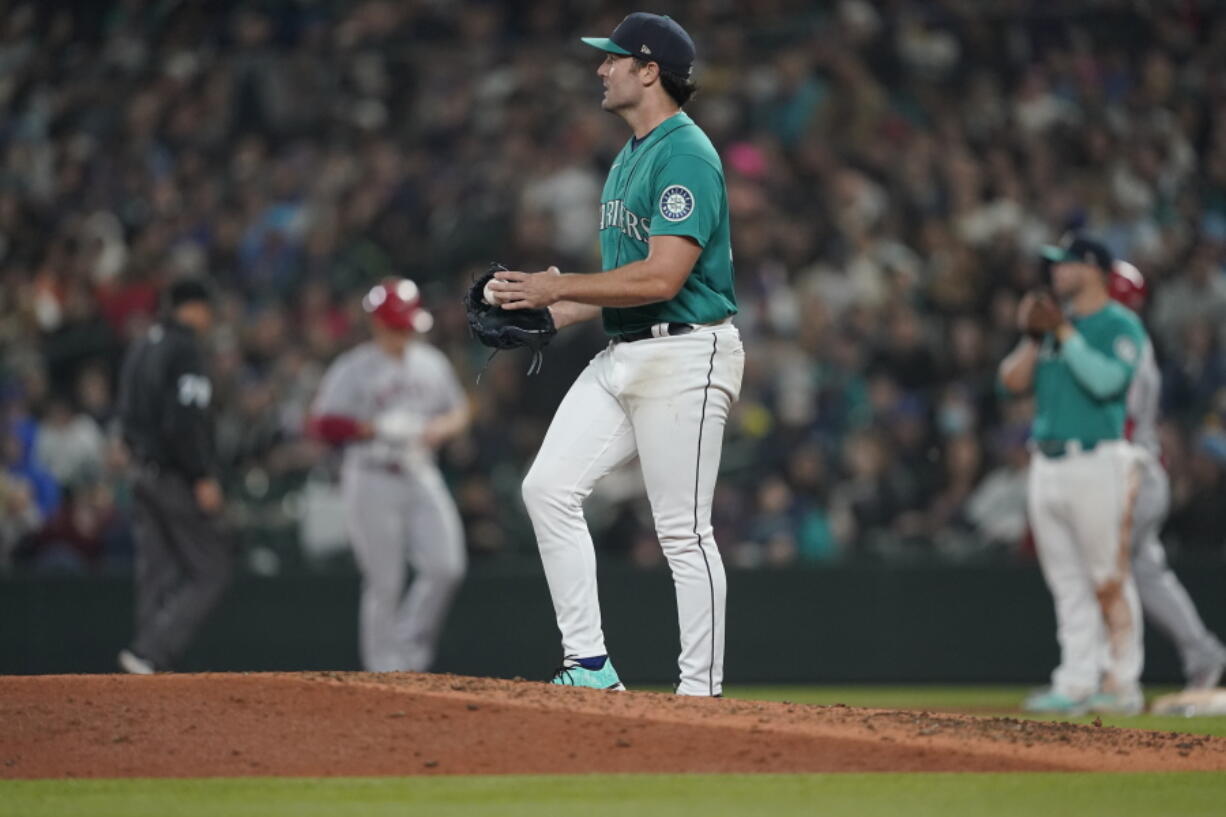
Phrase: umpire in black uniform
pixel 183 563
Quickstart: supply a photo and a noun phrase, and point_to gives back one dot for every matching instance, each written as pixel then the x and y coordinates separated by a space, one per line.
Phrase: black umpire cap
pixel 1080 249
pixel 186 290
pixel 652 38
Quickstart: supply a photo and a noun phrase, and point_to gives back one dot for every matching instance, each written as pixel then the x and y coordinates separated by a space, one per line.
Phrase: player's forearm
pixel 1017 370
pixel 568 313
pixel 1095 372
pixel 635 284
pixel 446 426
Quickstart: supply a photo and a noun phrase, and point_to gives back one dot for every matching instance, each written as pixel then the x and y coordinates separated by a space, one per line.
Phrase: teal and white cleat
pixel 1051 702
pixel 594 673
pixel 1110 703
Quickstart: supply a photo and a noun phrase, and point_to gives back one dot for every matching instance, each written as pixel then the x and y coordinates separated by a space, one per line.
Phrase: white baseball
pixel 488 294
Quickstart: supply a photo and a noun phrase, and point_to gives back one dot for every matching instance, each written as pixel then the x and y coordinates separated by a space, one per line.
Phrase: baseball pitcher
pixel 1084 477
pixel 1165 601
pixel 663 387
pixel 391 402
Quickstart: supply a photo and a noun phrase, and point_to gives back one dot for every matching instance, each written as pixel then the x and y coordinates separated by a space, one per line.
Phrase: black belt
pixel 1059 448
pixel 645 334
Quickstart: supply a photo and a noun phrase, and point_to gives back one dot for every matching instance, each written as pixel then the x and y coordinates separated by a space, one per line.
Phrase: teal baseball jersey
pixel 671 183
pixel 1082 387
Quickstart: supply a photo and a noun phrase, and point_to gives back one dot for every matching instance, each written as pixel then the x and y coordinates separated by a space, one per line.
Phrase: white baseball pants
pixel 397 521
pixel 665 399
pixel 1081 511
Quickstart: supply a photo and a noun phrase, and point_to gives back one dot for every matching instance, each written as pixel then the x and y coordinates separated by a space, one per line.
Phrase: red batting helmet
pixel 1127 285
pixel 396 303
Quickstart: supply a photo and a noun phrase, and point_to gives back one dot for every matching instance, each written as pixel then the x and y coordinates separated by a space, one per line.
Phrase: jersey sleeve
pixel 446 386
pixel 688 198
pixel 343 392
pixel 1106 369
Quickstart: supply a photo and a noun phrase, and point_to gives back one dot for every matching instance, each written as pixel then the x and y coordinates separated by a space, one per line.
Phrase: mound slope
pixel 323 724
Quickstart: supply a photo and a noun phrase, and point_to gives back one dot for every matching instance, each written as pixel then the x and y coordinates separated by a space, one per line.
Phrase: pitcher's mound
pixel 322 723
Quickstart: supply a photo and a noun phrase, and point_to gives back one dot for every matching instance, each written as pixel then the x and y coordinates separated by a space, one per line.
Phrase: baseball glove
pixel 500 328
pixel 1039 314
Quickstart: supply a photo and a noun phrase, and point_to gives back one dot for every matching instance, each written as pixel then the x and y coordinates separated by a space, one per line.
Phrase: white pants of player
pixel 1164 599
pixel 1081 511
pixel 665 399
pixel 397 521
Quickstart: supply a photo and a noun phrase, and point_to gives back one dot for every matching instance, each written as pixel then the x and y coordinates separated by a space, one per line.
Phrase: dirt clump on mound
pixel 326 723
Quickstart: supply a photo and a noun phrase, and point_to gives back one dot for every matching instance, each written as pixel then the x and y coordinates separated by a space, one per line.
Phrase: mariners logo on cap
pixel 676 203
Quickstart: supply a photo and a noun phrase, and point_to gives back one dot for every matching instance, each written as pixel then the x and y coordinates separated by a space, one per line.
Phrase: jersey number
pixel 195 390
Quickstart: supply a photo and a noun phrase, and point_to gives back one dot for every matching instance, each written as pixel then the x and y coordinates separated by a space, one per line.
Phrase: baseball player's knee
pixel 542 493
pixel 686 543
pixel 1146 572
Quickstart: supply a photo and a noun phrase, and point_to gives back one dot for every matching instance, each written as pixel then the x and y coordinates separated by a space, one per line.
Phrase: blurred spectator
pixel 1196 373
pixel 69 445
pixel 996 509
pixel 20 515
pixel 1197 295
pixel 1198 515
pixel 24 471
pixel 948 515
pixel 891 168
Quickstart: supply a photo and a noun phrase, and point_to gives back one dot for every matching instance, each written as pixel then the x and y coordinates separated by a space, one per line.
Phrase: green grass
pixel 978 700
pixel 863 795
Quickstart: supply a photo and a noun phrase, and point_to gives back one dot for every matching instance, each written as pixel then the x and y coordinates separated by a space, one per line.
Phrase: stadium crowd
pixel 892 168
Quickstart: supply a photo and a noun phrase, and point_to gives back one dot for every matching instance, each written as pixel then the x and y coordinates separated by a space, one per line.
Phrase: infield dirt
pixel 354 724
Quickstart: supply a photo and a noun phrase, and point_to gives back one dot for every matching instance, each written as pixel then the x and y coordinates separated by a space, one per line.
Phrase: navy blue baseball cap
pixel 1079 249
pixel 652 38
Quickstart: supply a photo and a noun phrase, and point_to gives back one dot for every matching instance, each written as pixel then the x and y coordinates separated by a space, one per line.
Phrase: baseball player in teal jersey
pixel 663 387
pixel 1084 478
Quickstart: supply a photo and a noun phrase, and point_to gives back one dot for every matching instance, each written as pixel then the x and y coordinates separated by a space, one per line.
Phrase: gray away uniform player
pixel 1165 601
pixel 391 402
pixel 662 389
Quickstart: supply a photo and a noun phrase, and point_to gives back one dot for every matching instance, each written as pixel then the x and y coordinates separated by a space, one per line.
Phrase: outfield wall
pixel 844 623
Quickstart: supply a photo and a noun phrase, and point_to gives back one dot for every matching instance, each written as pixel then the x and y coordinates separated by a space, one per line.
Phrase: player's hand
pixel 1046 314
pixel 434 434
pixel 527 290
pixel 208 496
pixel 1038 313
pixel 1024 309
pixel 492 294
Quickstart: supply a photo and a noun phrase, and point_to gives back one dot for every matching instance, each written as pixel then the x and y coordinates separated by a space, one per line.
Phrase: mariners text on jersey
pixel 669 183
pixel 615 215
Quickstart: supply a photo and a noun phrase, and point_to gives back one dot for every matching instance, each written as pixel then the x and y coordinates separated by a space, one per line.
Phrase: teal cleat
pixel 596 674
pixel 1109 703
pixel 1050 702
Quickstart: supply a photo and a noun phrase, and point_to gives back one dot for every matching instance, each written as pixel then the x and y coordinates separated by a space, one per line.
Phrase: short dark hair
pixel 188 290
pixel 681 89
